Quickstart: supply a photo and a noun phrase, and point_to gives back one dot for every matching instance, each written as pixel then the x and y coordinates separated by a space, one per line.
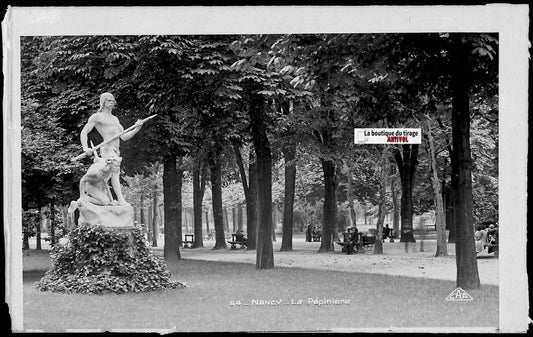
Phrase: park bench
pixel 344 242
pixel 363 242
pixel 367 240
pixel 234 242
pixel 189 240
pixel 316 236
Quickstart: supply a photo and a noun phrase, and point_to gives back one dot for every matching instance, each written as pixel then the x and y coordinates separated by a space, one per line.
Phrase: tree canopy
pixel 293 100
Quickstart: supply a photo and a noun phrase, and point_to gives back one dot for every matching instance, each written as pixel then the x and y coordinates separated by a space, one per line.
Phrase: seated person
pixel 480 238
pixel 239 236
pixel 316 234
pixel 492 234
pixel 353 236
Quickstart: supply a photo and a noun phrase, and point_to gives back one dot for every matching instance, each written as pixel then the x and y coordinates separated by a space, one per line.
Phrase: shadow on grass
pixel 30 276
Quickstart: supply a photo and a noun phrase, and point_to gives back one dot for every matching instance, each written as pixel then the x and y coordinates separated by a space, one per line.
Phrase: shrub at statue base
pixel 100 260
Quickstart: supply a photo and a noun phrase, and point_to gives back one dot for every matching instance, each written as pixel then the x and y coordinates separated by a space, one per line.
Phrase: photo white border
pixel 510 21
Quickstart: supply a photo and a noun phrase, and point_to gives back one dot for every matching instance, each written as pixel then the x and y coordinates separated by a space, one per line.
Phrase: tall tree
pixel 265 253
pixel 199 183
pixel 249 184
pixel 467 271
pixel 382 205
pixel 440 221
pixel 215 168
pixel 406 160
pixel 288 202
pixel 172 181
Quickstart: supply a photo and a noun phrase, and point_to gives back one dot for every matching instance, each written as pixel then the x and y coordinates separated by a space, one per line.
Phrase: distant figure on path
pixel 386 232
pixel 308 234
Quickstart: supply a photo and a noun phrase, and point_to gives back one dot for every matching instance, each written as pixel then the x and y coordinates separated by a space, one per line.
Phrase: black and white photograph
pixel 230 169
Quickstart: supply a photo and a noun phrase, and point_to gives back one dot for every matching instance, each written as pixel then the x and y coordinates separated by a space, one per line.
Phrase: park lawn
pixel 376 301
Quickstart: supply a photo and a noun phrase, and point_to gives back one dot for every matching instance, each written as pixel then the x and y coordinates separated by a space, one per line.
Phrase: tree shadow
pixel 30 276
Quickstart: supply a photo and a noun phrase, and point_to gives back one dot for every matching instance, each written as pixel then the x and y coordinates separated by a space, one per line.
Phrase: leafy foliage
pixel 100 260
pixel 47 172
pixel 316 89
pixel 30 221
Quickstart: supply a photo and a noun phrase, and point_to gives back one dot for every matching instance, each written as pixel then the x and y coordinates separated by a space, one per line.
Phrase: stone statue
pixel 105 245
pixel 94 184
pixel 96 202
pixel 108 127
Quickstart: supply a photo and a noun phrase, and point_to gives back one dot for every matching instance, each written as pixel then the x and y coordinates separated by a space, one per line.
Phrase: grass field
pixel 375 301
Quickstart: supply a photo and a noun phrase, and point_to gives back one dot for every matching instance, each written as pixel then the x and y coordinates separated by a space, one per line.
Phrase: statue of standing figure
pixel 108 166
pixel 94 185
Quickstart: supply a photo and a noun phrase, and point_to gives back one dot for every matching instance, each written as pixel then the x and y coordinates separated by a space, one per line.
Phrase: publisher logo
pixel 459 295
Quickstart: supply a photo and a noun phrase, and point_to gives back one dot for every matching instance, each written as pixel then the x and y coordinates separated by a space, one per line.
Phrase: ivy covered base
pixel 97 260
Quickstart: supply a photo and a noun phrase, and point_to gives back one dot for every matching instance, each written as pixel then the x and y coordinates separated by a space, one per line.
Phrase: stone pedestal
pixel 115 217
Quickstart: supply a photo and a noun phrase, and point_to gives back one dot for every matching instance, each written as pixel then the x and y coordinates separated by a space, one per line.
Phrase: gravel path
pixel 417 261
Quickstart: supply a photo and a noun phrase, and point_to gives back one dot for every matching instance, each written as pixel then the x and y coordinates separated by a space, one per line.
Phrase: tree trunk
pixel 38 228
pixel 240 224
pixel 52 227
pixel 25 241
pixel 350 197
pixel 265 252
pixel 447 190
pixel 233 219
pixel 66 216
pixel 467 270
pixel 183 229
pixel 288 202
pixel 207 221
pixel 442 247
pixel 149 219
pixel 198 189
pixel 382 206
pixel 250 190
pixel 141 211
pixel 252 207
pixel 448 197
pixel 396 209
pixel 274 221
pixel 172 208
pixel 364 212
pixel 155 231
pixel 216 190
pixel 407 162
pixel 330 207
pixel 226 219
